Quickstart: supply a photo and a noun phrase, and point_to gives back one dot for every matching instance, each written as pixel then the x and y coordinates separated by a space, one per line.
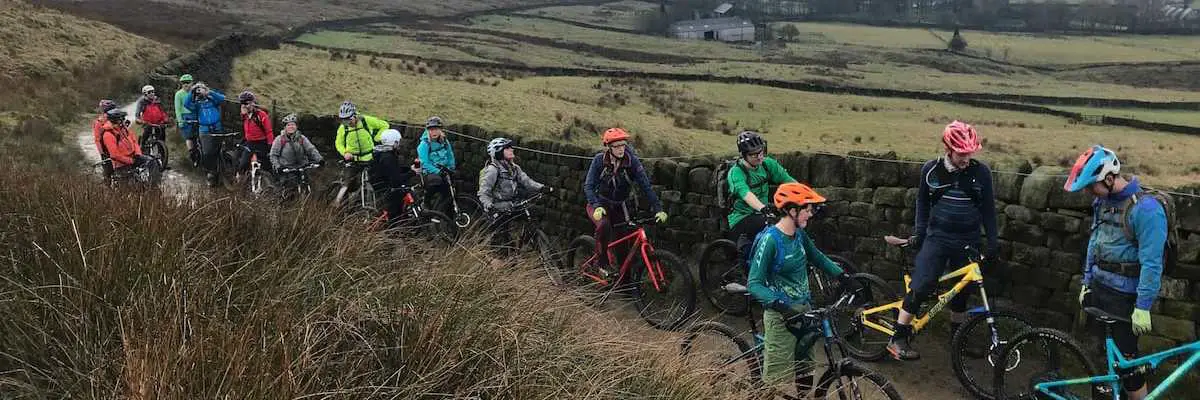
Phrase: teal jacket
pixel 779 267
pixel 1109 244
pixel 433 153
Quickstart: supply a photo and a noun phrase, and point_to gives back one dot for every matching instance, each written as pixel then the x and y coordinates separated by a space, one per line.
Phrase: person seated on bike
pixel 292 150
pixel 778 280
pixel 184 118
pixel 1121 275
pixel 389 175
pixel 205 103
pixel 120 145
pixel 97 129
pixel 953 201
pixel 355 140
pixel 434 150
pixel 608 187
pixel 257 132
pixel 502 183
pixel 150 113
pixel 749 183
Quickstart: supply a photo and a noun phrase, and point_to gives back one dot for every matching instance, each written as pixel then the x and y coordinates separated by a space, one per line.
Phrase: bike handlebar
pixel 304 168
pixel 224 135
pixel 636 222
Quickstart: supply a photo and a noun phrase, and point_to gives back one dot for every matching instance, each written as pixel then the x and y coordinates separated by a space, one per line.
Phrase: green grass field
pixel 687 118
pixel 621 14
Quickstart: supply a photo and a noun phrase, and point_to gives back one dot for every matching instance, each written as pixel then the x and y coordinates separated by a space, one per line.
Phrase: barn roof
pixel 710 24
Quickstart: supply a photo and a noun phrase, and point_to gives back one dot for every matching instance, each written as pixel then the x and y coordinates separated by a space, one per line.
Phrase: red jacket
pixel 153 114
pixel 121 145
pixel 252 129
pixel 97 129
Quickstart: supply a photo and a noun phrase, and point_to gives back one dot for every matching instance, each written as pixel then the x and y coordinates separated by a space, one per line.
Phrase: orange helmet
pixel 796 195
pixel 615 134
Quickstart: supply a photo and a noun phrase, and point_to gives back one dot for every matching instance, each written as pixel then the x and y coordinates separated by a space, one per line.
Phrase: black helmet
pixel 750 142
pixel 116 115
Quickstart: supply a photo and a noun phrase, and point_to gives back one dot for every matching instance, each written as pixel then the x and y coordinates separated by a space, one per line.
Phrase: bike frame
pixel 965 275
pixel 1117 361
pixel 640 245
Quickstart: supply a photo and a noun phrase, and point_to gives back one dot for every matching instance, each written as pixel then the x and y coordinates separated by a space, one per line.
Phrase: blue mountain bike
pixel 1056 367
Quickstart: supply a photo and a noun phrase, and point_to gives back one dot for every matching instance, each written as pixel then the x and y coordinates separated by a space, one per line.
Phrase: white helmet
pixel 496 146
pixel 147 89
pixel 390 137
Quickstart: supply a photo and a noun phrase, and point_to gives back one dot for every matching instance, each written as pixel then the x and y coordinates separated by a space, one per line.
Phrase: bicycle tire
pixel 982 387
pixel 440 226
pixel 716 271
pixel 740 348
pixel 1026 346
pixel 547 257
pixel 853 371
pixel 153 174
pixel 860 341
pixel 265 183
pixel 578 251
pixel 470 211
pixel 157 150
pixel 680 290
pixel 227 171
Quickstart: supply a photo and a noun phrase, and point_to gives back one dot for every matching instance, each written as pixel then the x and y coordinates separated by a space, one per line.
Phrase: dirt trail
pixel 175 184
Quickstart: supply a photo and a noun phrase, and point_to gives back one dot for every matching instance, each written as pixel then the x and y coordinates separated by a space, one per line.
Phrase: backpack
pixel 966 178
pixel 725 199
pixel 1171 248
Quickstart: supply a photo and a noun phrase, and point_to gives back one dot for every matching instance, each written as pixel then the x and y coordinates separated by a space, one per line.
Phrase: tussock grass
pixel 107 295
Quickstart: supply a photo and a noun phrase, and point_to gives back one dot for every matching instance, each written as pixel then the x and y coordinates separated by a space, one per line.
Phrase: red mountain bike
pixel 658 280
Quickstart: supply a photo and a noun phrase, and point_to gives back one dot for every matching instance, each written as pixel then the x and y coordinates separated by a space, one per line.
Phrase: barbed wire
pixel 851 156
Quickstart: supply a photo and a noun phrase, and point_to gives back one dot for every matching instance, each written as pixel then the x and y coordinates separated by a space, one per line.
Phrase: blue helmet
pixel 1092 166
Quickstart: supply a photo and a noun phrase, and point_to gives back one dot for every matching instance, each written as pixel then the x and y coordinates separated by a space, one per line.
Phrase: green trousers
pixel 785 354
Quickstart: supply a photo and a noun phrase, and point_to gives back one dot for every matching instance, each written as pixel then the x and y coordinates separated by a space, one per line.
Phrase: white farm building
pixel 729 29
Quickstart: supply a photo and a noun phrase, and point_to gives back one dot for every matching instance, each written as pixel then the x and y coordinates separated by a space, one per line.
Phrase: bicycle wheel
pixel 717 349
pixel 228 170
pixel 470 211
pixel 975 348
pixel 579 251
pixel 719 266
pixel 853 381
pixel 1045 355
pixel 861 341
pixel 151 174
pixel 666 299
pixel 157 150
pixel 262 184
pixel 439 226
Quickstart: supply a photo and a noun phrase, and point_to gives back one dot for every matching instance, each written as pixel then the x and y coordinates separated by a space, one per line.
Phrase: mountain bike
pixel 227 156
pixel 415 218
pixel 529 237
pixel 147 175
pixel 154 142
pixel 842 379
pixel 867 330
pixel 259 181
pixel 466 209
pixel 658 280
pixel 721 263
pixel 351 195
pixel 297 182
pixel 1061 370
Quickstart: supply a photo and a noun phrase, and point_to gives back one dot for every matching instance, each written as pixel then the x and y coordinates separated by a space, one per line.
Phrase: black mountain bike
pixel 518 231
pixel 154 143
pixel 465 209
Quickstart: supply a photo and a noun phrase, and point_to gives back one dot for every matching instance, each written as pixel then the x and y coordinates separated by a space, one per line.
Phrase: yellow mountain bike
pixel 976 344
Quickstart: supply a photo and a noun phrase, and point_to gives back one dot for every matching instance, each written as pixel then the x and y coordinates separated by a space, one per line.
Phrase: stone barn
pixel 730 29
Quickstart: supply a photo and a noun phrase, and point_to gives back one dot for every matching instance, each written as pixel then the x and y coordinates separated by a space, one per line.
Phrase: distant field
pixel 1186 118
pixel 621 14
pixel 684 118
pixel 1013 47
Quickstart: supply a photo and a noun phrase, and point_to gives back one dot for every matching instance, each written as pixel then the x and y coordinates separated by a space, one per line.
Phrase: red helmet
pixel 614 135
pixel 960 137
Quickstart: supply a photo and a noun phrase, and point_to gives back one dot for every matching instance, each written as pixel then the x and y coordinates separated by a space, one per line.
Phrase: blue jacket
pixel 608 185
pixel 433 153
pixel 207 110
pixel 955 218
pixel 1109 244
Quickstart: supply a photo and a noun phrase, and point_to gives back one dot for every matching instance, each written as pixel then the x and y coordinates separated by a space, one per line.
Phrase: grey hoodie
pixel 502 183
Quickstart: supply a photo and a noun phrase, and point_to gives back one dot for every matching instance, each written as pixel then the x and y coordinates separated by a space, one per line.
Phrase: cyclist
pixel 150 111
pixel 291 149
pixel 608 186
pixel 205 103
pixel 502 182
pixel 257 130
pixel 184 117
pixel 98 128
pixel 1120 276
pixel 749 181
pixel 355 140
pixel 120 145
pixel 388 174
pixel 435 150
pixel 779 281
pixel 955 198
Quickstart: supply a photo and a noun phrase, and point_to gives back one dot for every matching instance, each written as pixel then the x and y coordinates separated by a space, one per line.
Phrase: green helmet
pixel 186 78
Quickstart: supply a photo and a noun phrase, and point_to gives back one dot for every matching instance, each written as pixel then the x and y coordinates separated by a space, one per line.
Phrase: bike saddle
pixel 735 288
pixel 1105 316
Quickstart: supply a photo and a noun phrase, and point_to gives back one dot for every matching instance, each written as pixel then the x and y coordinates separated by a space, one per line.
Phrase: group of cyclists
pixel 955 203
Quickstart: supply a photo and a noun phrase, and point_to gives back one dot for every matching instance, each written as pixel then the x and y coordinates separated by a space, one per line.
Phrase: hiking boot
pixel 900 346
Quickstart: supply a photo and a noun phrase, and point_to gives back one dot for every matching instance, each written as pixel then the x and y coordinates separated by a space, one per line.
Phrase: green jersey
pixel 743 179
pixel 779 267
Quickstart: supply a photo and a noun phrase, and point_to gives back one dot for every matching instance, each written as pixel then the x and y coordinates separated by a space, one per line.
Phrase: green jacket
pixel 360 140
pixel 779 267
pixel 180 110
pixel 742 179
